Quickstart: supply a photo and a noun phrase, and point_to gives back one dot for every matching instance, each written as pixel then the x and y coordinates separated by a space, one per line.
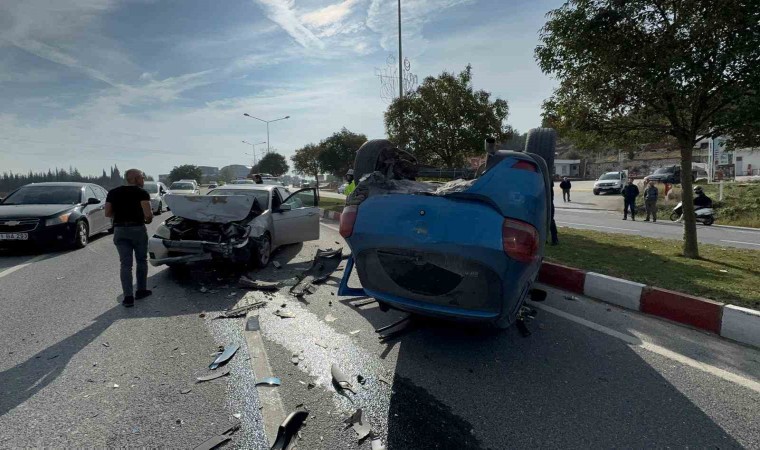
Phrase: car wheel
pixel 160 208
pixel 542 142
pixel 366 157
pixel 596 192
pixel 674 216
pixel 81 235
pixel 709 221
pixel 262 251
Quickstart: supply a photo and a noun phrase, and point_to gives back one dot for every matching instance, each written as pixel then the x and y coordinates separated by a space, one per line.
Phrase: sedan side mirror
pixel 284 208
pixel 93 201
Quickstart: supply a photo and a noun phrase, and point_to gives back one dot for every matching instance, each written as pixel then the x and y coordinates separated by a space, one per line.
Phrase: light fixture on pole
pixel 253 149
pixel 266 122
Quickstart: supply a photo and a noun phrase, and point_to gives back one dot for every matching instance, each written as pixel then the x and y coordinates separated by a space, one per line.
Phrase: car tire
pixel 596 192
pixel 674 216
pixel 81 234
pixel 160 208
pixel 542 142
pixel 709 221
pixel 366 157
pixel 261 252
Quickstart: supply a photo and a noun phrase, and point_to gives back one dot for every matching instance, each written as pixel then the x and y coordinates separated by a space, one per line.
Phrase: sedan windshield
pixel 45 195
pixel 261 195
pixel 610 176
pixel 182 186
pixel 663 170
pixel 151 188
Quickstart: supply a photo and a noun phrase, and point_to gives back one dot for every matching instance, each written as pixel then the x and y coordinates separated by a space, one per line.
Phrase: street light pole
pixel 253 149
pixel 266 122
pixel 400 57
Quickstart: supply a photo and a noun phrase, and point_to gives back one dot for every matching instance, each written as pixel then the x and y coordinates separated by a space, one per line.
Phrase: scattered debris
pixel 340 380
pixel 324 264
pixel 179 422
pixel 236 415
pixel 213 376
pixel 276 265
pixel 295 360
pixel 203 289
pixel 290 282
pixel 289 429
pixel 202 315
pixel 115 386
pixel 361 379
pixel 247 283
pixel 724 270
pixel 406 323
pixel 222 359
pixel 391 325
pixel 365 302
pixel 240 311
pixel 219 439
pixel 362 428
pixel 384 380
pixel 271 381
pixel 377 443
pixel 310 385
pixel 185 391
pixel 330 318
pixel 355 332
pixel 284 314
pixel 105 344
pixel 321 344
pixel 571 297
pixel 252 324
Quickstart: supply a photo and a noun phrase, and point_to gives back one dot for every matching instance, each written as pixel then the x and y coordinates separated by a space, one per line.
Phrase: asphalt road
pixel 590 375
pixel 602 213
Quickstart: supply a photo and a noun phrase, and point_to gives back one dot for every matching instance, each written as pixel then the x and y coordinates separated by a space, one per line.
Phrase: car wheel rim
pixel 82 233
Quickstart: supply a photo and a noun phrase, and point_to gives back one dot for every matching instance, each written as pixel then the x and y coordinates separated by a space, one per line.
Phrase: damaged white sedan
pixel 239 223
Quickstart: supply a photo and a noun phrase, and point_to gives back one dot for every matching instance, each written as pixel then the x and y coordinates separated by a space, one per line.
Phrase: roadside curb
pixel 729 321
pixel 330 215
pixel 734 227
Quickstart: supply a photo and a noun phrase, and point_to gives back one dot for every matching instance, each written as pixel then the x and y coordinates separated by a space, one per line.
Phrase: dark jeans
pixel 566 195
pixel 651 206
pixel 553 228
pixel 128 240
pixel 629 205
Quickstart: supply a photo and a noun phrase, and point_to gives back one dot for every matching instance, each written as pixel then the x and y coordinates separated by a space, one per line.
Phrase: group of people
pixel 631 191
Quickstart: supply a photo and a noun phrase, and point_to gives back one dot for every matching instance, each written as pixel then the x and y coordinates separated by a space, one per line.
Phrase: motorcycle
pixel 705 216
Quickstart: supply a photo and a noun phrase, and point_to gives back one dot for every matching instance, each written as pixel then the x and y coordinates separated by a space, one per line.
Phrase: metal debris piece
pixel 362 428
pixel 284 314
pixel 366 301
pixel 330 318
pixel 324 264
pixel 240 311
pixel 340 379
pixel 271 381
pixel 289 429
pixel 185 391
pixel 213 376
pixel 276 265
pixel 218 440
pixel 247 283
pixel 105 344
pixel 222 359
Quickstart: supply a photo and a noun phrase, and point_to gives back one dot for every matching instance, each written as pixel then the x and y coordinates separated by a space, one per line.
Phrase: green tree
pixel 306 161
pixel 685 69
pixel 272 163
pixel 445 120
pixel 186 172
pixel 226 174
pixel 339 151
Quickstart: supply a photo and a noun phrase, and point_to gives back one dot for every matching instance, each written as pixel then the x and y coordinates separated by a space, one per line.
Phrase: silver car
pixel 156 191
pixel 240 223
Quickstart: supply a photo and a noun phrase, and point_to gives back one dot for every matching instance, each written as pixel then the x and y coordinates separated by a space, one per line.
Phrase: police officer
pixel 351 183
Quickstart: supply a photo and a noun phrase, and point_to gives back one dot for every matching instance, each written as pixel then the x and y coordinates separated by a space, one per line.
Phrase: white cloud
pixel 282 12
pixel 329 15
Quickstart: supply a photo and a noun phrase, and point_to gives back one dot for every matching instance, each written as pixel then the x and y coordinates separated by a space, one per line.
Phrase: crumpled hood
pixel 210 208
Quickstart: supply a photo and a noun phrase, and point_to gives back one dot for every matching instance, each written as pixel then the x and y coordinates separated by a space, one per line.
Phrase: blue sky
pixel 154 84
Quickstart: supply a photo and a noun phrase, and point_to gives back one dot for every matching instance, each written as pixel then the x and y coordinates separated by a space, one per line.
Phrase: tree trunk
pixel 316 185
pixel 690 245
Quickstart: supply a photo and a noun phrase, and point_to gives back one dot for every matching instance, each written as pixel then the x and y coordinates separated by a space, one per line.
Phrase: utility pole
pixel 400 79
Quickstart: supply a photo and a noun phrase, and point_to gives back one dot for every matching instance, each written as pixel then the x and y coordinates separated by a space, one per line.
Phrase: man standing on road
pixel 565 186
pixel 129 206
pixel 650 201
pixel 257 179
pixel 630 192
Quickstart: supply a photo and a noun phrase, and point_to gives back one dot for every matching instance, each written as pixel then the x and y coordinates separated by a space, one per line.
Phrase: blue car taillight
pixel 347 220
pixel 520 240
pixel 525 165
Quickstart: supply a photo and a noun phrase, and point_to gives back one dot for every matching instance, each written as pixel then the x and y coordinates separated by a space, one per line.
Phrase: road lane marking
pixel 596 226
pixel 740 242
pixel 22 265
pixel 633 341
pixel 330 227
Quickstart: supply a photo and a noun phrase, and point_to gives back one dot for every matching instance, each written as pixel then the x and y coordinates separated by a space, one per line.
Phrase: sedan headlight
pixel 163 232
pixel 63 218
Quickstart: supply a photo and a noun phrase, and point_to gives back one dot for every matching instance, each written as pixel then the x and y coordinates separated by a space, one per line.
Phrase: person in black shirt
pixel 630 192
pixel 565 186
pixel 129 206
pixel 257 179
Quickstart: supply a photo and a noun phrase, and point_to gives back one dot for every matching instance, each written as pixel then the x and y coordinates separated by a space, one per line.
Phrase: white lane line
pixel 596 226
pixel 740 242
pixel 22 265
pixel 330 227
pixel 633 341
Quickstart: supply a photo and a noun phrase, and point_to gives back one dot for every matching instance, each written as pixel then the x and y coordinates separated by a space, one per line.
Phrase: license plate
pixel 14 236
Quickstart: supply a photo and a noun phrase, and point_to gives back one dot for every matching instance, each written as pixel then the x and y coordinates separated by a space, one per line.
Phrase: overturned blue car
pixel 465 250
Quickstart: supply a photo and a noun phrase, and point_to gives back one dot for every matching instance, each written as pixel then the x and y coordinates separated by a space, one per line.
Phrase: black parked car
pixel 669 174
pixel 46 214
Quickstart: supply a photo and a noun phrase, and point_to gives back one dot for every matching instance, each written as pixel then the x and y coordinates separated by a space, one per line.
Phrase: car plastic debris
pixel 361 426
pixel 213 376
pixel 271 381
pixel 241 311
pixel 365 302
pixel 324 264
pixel 185 391
pixel 218 440
pixel 284 314
pixel 330 318
pixel 289 429
pixel 247 283
pixel 222 359
pixel 340 380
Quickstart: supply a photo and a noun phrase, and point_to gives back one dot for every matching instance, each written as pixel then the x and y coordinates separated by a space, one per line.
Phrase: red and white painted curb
pixel 733 322
pixel 329 215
